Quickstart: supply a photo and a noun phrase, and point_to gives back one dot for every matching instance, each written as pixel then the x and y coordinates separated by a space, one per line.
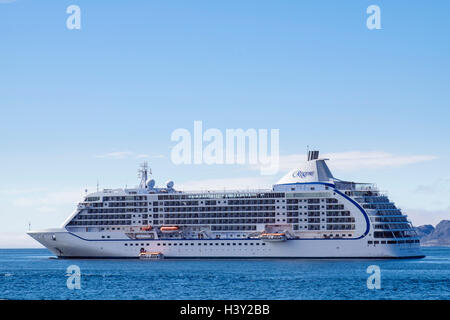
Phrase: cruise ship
pixel 308 213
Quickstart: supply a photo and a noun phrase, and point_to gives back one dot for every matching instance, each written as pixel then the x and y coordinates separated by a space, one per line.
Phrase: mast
pixel 143 174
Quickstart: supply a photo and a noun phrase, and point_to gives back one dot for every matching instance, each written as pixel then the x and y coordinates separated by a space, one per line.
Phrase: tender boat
pixel 151 255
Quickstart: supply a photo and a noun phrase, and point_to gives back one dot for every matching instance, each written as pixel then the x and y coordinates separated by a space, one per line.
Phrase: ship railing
pixel 226 193
pixel 355 186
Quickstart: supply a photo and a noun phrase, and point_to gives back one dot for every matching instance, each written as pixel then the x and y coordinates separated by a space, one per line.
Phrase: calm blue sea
pixel 36 274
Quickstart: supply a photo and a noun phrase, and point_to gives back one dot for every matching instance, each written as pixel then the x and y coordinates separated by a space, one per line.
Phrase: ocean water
pixel 37 274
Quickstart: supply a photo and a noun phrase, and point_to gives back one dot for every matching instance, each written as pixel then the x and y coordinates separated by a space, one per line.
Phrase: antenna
pixel 97 185
pixel 143 174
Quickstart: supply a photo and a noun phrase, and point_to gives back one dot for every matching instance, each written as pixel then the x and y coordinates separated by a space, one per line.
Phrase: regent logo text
pixel 302 174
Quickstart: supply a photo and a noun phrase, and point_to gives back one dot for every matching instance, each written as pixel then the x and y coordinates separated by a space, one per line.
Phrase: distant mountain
pixel 424 230
pixel 439 236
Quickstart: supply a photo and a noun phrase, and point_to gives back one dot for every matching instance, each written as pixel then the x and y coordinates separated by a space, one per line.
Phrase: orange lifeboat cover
pixel 173 228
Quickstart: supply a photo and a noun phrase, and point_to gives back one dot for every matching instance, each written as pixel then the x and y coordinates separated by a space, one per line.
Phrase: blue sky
pixel 82 105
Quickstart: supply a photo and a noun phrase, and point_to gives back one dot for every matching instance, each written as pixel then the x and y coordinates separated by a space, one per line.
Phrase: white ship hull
pixel 307 214
pixel 68 245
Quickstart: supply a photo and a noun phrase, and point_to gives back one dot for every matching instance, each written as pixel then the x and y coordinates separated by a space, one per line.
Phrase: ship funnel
pixel 313 170
pixel 313 155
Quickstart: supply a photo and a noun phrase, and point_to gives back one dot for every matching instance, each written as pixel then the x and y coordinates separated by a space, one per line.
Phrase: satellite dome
pixel 150 183
pixel 170 184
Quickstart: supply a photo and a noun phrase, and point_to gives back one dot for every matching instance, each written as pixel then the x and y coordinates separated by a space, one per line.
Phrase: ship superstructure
pixel 307 214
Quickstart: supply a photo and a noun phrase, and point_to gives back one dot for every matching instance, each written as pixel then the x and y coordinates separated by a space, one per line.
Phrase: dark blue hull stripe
pixel 247 258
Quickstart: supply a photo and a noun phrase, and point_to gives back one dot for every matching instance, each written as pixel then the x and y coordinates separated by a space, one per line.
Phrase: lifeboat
pixel 146 228
pixel 273 237
pixel 169 229
pixel 151 255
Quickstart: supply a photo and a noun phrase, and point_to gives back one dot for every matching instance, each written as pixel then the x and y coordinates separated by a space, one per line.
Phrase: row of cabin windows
pixel 390 234
pixel 393 242
pixel 219 215
pixel 121 210
pixel 316 207
pixel 397 219
pixel 376 199
pixel 110 216
pixel 312 227
pixel 105 216
pixel 257 200
pixel 215 203
pixel 198 244
pixel 379 206
pixel 127 204
pixel 231 228
pixel 138 198
pixel 215 221
pixel 214 209
pixel 390 212
pixel 238 202
pixel 99 223
pixel 327 200
pixel 392 226
pixel 329 220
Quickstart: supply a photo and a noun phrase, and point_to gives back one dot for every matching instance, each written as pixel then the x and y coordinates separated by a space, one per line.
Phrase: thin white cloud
pixel 14 192
pixel 48 201
pixel 127 155
pixel 373 160
pixel 355 160
pixel 345 161
pixel 143 156
pixel 46 209
pixel 438 187
pixel 116 155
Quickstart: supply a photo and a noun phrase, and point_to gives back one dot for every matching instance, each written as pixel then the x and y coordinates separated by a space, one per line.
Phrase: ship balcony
pixel 376 214
pixel 374 200
pixel 393 229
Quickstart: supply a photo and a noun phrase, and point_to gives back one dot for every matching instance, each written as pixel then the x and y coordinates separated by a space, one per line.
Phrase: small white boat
pixel 144 236
pixel 151 255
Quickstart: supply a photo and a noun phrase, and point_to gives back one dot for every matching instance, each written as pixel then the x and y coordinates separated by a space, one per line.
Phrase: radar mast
pixel 143 172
